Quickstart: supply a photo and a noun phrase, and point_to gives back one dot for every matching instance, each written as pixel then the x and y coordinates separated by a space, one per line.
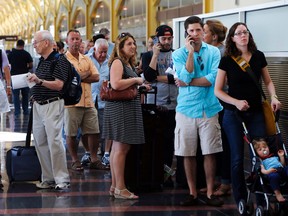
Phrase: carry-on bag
pixel 144 169
pixel 22 162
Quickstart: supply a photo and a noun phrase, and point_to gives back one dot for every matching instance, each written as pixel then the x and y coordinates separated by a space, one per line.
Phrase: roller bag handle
pixel 143 91
pixel 29 128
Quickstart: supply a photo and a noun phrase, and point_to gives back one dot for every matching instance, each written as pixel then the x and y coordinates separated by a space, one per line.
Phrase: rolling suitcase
pixel 144 169
pixel 22 163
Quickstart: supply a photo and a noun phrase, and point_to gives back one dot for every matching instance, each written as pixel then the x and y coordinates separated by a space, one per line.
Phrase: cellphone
pixel 191 41
pixel 186 34
pixel 155 40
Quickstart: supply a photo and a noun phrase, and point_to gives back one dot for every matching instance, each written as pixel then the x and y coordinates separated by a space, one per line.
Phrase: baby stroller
pixel 258 184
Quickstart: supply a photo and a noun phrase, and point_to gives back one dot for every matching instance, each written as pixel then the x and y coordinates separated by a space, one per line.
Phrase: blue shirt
pixel 110 49
pixel 272 162
pixel 104 75
pixel 194 101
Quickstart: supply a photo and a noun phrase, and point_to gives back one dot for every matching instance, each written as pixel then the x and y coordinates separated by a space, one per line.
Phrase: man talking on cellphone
pixel 197 109
pixel 154 66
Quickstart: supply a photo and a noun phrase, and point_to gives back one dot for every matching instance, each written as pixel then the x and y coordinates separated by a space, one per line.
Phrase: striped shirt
pixel 43 71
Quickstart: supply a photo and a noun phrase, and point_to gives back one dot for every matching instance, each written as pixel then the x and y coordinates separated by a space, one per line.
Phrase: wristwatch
pixel 41 82
pixel 274 96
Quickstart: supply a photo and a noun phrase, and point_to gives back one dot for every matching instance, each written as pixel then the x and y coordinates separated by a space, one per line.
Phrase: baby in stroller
pixel 273 166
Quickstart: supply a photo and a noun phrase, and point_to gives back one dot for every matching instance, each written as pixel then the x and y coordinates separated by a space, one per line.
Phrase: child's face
pixel 263 150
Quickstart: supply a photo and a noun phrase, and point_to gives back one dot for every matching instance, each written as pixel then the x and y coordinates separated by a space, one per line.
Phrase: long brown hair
pixel 231 49
pixel 118 52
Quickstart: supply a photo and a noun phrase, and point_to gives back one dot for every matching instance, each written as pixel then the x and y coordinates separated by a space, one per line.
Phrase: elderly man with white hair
pixel 48 113
pixel 100 59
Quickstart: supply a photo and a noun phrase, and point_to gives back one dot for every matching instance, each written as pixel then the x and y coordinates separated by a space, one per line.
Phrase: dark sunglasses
pixel 124 34
pixel 200 62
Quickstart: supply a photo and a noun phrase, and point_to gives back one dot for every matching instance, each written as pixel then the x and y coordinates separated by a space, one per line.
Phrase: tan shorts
pixel 83 117
pixel 187 131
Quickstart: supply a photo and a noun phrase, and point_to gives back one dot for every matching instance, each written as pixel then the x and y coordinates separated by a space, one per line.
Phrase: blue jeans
pixel 25 100
pixel 234 131
pixel 276 177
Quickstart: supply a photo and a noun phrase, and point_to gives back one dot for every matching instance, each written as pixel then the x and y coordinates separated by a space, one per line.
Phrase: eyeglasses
pixel 36 42
pixel 200 62
pixel 124 34
pixel 240 33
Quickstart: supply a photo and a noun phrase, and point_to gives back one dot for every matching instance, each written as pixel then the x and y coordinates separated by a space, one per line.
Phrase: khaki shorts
pixel 188 130
pixel 83 117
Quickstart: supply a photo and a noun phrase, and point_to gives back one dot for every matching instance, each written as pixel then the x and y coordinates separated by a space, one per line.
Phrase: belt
pixel 48 101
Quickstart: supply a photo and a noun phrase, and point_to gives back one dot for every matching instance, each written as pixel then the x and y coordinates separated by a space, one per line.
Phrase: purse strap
pixel 246 68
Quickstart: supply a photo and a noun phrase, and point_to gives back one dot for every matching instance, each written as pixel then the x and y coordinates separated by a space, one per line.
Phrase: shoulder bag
pixel 269 115
pixel 107 93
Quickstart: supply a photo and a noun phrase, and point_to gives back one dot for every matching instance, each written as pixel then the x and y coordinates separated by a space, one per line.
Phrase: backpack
pixel 72 89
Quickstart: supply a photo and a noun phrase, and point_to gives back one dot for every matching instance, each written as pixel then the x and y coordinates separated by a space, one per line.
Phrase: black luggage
pixel 22 163
pixel 144 170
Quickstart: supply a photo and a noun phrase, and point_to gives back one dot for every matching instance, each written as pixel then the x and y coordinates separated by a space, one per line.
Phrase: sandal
pixel 223 190
pixel 118 194
pixel 111 191
pixel 76 165
pixel 98 165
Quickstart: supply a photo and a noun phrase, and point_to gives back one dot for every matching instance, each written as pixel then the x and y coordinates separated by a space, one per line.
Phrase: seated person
pixel 273 166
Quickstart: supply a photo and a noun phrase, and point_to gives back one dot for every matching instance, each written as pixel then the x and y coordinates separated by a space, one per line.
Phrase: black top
pixel 19 60
pixel 241 85
pixel 43 71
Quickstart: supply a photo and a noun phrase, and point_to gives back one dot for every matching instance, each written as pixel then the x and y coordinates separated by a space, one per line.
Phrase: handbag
pixel 107 93
pixel 269 116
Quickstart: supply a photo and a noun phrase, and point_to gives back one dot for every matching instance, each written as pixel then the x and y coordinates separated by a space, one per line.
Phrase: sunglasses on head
pixel 124 34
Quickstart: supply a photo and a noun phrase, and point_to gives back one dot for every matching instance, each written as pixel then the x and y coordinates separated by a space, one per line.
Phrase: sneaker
pixel 98 165
pixel 189 201
pixel 62 186
pixel 212 201
pixel 106 160
pixel 46 185
pixel 86 159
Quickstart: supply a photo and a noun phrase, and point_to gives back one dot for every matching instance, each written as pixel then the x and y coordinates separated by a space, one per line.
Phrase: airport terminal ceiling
pixel 20 16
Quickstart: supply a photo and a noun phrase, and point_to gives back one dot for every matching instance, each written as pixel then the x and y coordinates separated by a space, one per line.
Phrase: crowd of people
pixel 199 102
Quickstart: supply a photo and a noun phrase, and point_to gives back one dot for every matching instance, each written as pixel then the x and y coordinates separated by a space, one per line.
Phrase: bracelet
pixel 274 96
pixel 8 87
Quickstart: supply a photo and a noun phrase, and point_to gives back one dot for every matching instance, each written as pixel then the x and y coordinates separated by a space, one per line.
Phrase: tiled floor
pixel 89 191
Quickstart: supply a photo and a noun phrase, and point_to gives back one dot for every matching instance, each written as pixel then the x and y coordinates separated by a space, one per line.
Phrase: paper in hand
pixel 171 71
pixel 21 81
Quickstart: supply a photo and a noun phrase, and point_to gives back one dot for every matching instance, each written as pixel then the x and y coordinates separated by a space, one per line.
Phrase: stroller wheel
pixel 259 211
pixel 242 207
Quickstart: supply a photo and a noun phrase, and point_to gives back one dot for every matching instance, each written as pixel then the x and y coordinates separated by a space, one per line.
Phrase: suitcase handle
pixel 29 128
pixel 143 90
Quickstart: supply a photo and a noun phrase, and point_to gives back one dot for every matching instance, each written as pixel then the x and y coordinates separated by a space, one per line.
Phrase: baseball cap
pixel 164 30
